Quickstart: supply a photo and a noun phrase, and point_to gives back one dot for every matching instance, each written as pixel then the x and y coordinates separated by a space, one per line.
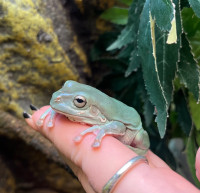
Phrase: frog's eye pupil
pixel 79 101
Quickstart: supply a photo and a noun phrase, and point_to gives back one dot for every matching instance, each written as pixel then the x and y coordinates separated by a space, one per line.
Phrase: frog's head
pixel 74 100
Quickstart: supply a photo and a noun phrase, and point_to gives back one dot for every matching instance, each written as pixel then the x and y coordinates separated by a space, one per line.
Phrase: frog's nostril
pixel 57 99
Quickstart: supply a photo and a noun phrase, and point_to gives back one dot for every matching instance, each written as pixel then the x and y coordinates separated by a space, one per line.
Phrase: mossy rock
pixel 35 59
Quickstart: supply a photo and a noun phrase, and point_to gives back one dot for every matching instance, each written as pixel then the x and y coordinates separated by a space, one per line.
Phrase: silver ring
pixel 109 186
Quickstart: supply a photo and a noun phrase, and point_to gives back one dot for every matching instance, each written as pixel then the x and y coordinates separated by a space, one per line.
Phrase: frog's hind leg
pixel 140 143
pixel 94 129
pixel 136 140
pixel 114 128
pixel 138 150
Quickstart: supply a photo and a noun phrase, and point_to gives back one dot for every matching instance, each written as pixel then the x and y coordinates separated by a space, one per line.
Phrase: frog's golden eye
pixel 80 101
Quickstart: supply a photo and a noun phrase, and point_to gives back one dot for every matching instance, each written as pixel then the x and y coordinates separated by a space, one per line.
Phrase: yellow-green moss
pixel 27 60
pixel 26 25
pixel 2 87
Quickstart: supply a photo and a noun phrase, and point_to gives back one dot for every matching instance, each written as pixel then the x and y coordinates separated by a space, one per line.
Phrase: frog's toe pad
pixel 39 123
pixel 78 138
pixel 96 143
pixel 50 125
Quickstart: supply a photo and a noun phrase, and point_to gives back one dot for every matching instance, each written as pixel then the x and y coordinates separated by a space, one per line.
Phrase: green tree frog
pixel 108 116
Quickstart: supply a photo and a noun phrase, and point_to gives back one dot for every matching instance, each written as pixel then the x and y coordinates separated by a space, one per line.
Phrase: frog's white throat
pixel 81 118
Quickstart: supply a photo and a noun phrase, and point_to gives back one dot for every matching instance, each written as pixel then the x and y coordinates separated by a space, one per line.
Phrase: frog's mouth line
pixel 103 120
pixel 67 114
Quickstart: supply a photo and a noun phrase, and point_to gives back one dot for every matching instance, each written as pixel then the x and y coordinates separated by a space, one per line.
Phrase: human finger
pixel 97 164
pixel 197 164
pixel 94 161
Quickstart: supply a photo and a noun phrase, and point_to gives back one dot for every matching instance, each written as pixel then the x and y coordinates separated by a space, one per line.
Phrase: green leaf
pixel 191 150
pixel 184 118
pixel 187 69
pixel 150 73
pixel 129 33
pixel 125 53
pixel 98 50
pixel 195 4
pixel 159 68
pixel 195 111
pixel 197 134
pixel 116 15
pixel 195 45
pixel 134 63
pixel 162 12
pixel 126 36
pixel 167 56
pixel 184 3
pixel 134 12
pixel 148 113
pixel 191 25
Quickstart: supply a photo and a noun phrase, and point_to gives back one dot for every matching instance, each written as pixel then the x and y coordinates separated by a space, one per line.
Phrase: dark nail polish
pixel 26 115
pixel 33 108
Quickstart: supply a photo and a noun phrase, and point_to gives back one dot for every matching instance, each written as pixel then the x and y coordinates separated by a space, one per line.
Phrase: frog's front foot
pixel 50 123
pixel 114 128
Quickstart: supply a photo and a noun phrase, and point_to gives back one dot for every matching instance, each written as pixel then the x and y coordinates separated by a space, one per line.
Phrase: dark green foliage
pixel 150 71
pixel 129 33
pixel 191 22
pixel 133 63
pixel 191 26
pixel 148 113
pixel 191 150
pixel 162 12
pixel 154 60
pixel 161 149
pixel 116 15
pixel 195 4
pixel 184 117
pixel 187 68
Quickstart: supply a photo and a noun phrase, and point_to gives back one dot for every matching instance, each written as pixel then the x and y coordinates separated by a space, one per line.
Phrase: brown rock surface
pixel 43 43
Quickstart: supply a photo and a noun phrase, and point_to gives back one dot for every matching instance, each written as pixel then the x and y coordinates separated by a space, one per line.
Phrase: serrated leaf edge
pixel 162 28
pixel 198 100
pixel 152 25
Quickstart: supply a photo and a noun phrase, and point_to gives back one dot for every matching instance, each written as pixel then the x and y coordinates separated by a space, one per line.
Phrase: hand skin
pixel 95 166
pixel 197 164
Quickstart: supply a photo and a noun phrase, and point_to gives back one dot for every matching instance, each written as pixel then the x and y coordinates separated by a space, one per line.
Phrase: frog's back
pixel 125 114
pixel 115 110
pixel 111 108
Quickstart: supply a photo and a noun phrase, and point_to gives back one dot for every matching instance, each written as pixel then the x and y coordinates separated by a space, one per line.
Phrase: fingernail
pixel 33 108
pixel 26 115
